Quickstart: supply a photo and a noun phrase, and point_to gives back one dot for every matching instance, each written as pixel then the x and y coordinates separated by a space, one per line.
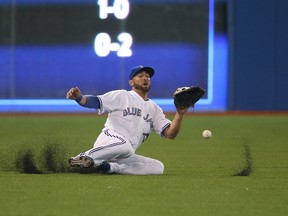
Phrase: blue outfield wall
pixel 257 66
pixel 258 62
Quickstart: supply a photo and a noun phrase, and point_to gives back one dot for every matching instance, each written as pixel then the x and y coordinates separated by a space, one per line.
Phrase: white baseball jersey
pixel 132 116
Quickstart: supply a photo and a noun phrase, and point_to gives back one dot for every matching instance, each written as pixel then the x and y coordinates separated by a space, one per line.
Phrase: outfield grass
pixel 199 174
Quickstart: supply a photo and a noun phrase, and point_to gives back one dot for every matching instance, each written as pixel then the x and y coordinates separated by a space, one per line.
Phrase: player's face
pixel 141 81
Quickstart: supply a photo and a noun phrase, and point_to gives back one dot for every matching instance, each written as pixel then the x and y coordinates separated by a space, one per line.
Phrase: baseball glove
pixel 185 97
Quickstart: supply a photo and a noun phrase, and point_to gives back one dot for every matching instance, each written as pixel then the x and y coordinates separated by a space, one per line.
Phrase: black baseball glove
pixel 185 97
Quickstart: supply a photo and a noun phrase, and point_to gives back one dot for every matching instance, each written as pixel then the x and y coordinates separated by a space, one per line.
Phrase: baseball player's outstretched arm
pixel 174 128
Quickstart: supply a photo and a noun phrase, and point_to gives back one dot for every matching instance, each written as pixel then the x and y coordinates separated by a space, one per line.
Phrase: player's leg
pixel 137 165
pixel 108 146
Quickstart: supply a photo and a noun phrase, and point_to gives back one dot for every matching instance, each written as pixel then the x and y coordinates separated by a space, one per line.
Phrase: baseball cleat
pixel 103 167
pixel 81 161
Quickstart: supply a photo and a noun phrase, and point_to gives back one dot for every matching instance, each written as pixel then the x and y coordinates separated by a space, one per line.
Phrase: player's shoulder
pixel 154 105
pixel 118 91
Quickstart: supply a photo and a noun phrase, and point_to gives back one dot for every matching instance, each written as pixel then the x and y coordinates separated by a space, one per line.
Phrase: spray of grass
pixel 247 169
pixel 50 157
pixel 25 162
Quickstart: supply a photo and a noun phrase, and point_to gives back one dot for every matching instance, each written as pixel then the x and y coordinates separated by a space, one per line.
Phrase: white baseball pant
pixel 119 152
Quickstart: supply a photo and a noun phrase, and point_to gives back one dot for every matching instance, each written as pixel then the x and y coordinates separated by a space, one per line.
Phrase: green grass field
pixel 199 174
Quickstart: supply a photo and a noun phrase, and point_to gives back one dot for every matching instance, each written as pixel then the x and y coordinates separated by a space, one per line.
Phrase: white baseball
pixel 207 134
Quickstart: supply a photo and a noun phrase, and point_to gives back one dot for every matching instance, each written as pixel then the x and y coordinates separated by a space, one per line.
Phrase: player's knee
pixel 129 151
pixel 158 168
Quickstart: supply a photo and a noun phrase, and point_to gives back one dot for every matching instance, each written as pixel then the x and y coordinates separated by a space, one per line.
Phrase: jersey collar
pixel 133 92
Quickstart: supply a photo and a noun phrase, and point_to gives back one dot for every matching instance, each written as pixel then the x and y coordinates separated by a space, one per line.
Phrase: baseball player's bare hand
pixel 73 93
pixel 182 111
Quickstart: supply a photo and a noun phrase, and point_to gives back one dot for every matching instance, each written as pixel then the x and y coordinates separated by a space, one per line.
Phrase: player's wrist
pixel 79 98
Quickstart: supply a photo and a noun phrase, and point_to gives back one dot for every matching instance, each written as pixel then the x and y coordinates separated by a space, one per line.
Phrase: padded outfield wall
pixel 37 66
pixel 258 59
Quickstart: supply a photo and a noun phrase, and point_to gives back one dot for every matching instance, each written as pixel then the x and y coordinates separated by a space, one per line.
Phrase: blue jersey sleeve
pixel 92 102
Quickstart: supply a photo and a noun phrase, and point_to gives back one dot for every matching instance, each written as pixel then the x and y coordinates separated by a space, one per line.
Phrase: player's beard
pixel 144 88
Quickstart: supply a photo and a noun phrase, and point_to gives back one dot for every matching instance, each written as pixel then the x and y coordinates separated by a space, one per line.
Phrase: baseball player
pixel 132 116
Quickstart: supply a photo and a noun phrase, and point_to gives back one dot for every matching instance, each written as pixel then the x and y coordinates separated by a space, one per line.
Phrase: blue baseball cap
pixel 140 68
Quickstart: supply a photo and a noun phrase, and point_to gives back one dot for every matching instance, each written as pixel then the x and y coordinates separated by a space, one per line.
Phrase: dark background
pixel 64 24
